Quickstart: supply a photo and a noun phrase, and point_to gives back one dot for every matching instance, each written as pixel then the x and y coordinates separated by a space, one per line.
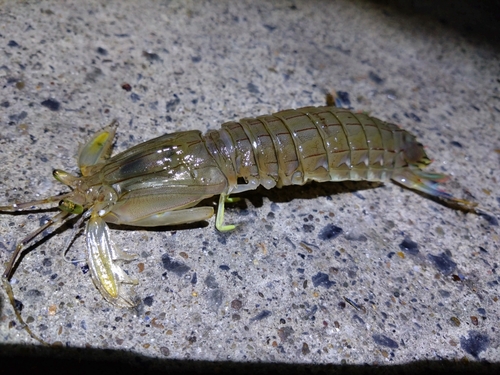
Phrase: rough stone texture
pixel 281 287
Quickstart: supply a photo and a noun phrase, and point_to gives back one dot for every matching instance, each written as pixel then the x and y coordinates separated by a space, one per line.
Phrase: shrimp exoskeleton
pixel 160 182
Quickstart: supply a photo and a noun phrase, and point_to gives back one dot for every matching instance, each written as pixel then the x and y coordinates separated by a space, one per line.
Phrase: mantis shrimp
pixel 161 181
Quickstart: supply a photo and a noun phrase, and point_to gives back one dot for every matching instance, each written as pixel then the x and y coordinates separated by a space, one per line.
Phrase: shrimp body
pixel 320 144
pixel 160 182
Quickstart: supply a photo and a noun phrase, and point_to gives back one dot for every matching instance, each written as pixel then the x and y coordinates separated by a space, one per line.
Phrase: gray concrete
pixel 274 289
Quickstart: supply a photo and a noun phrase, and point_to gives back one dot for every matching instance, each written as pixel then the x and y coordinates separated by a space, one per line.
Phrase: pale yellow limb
pixel 219 221
pixel 98 149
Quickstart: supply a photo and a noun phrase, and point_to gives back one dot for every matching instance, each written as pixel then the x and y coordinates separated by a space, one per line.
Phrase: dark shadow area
pixel 312 190
pixel 478 21
pixel 21 359
pixel 163 228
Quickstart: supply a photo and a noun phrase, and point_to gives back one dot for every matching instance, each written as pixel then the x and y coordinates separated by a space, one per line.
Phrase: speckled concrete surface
pixel 406 278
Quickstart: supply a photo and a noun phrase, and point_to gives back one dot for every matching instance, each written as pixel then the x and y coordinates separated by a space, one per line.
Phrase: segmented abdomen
pixel 311 143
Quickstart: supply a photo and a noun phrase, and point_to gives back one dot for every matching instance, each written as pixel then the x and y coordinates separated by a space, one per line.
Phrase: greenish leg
pixel 227 199
pixel 219 221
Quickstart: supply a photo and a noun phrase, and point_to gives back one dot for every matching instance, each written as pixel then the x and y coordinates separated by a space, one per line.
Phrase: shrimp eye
pixel 70 207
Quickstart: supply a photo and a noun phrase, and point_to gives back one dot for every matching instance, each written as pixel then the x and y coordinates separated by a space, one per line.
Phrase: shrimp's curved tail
pixel 415 178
